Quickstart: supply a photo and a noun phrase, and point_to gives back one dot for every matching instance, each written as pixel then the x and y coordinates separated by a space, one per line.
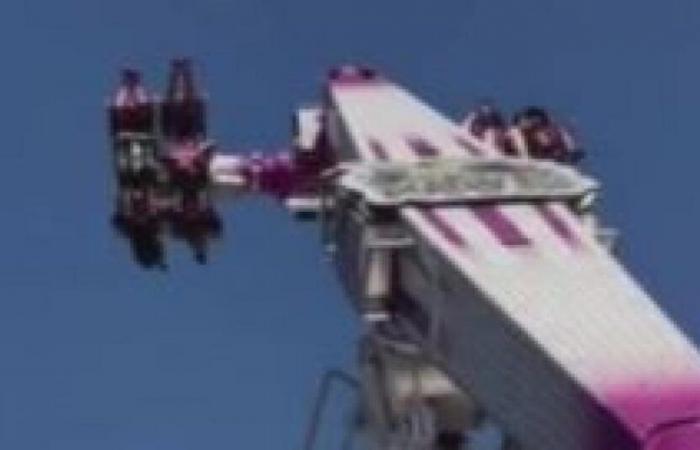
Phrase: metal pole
pixel 321 399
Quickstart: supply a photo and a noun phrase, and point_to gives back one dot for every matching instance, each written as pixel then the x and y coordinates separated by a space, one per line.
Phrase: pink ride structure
pixel 472 252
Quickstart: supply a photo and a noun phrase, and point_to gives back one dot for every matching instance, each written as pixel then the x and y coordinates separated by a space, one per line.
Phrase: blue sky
pixel 95 354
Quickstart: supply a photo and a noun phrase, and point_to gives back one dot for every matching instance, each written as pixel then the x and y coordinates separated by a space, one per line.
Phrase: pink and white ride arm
pixel 518 301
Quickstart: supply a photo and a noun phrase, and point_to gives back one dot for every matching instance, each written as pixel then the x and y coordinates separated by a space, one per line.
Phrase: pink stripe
pixel 500 225
pixel 557 224
pixel 378 149
pixel 444 227
pixel 422 147
pixel 354 77
pixel 467 146
pixel 655 410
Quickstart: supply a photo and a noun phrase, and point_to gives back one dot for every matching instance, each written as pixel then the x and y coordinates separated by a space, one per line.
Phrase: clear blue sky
pixel 95 354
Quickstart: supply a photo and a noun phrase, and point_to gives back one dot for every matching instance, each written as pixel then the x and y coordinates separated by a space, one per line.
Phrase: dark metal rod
pixel 321 399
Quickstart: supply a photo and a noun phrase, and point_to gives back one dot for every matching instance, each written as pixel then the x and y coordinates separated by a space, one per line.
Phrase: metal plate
pixel 463 180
